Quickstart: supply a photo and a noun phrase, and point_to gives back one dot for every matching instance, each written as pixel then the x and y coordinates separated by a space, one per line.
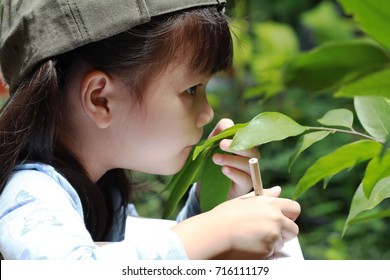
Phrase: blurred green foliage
pixel 269 34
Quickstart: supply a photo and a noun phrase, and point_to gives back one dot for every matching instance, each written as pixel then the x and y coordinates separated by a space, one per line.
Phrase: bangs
pixel 200 37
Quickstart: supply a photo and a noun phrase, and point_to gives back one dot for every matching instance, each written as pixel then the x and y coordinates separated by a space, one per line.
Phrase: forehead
pixel 179 73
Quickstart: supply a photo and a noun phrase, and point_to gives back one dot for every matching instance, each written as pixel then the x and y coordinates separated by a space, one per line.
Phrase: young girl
pixel 98 87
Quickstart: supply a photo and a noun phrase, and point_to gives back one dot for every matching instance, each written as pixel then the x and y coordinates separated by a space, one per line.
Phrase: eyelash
pixel 192 90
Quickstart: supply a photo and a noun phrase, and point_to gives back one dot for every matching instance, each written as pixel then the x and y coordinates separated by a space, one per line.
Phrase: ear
pixel 96 93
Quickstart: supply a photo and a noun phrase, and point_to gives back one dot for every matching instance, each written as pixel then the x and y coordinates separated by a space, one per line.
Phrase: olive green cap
pixel 34 30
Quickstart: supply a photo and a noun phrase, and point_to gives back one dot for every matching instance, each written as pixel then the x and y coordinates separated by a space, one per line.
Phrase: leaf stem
pixel 352 132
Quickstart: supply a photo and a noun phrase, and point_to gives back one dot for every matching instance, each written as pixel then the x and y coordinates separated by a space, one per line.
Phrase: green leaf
pixel 256 91
pixel 269 84
pixel 276 43
pixel 386 146
pixel 326 181
pixel 377 169
pixel 325 22
pixel 361 203
pixel 208 143
pixel 180 183
pixel 215 185
pixel 332 64
pixel 305 141
pixel 372 16
pixel 370 215
pixel 344 157
pixel 241 43
pixel 374 115
pixel 338 117
pixel 264 128
pixel 377 83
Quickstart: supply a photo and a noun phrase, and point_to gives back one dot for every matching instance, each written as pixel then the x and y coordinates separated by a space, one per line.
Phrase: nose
pixel 206 114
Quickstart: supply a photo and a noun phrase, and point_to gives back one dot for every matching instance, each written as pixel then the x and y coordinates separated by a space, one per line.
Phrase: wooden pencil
pixel 256 176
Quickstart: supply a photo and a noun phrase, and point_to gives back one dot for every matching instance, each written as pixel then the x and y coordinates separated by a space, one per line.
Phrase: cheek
pixel 166 152
pixel 156 138
pixel 162 143
pixel 154 149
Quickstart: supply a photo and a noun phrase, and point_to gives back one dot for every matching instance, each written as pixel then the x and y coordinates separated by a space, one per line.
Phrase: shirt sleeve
pixel 40 219
pixel 191 208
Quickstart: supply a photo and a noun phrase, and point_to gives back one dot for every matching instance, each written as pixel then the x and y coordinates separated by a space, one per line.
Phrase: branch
pixel 352 132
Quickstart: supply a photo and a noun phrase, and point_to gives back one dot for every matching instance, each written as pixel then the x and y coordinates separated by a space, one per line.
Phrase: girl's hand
pixel 234 165
pixel 248 227
pixel 262 228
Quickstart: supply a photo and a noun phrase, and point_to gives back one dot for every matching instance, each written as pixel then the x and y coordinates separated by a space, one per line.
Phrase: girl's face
pixel 159 137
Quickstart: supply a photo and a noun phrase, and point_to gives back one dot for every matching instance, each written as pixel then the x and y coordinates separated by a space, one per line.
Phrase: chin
pixel 170 166
pixel 173 167
pixel 172 170
pixel 168 173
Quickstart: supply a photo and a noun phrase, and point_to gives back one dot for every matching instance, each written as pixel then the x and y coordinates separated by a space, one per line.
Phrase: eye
pixel 192 90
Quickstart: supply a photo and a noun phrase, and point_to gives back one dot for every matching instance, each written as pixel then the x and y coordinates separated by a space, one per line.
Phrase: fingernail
pixel 217 158
pixel 226 170
pixel 225 144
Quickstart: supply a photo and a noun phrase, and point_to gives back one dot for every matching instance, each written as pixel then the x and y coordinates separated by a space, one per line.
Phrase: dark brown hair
pixel 31 118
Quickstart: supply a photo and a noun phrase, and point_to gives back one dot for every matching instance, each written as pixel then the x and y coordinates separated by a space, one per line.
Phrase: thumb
pixel 274 191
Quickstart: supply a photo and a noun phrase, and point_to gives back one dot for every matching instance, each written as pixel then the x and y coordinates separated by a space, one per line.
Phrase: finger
pixel 233 161
pixel 274 191
pixel 290 208
pixel 237 176
pixel 250 153
pixel 242 183
pixel 221 125
pixel 290 230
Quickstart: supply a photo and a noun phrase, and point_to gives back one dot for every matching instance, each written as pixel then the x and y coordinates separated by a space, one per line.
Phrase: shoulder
pixel 38 207
pixel 36 181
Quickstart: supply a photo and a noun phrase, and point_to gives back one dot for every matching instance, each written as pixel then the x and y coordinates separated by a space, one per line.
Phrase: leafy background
pixel 295 56
pixel 302 59
pixel 313 62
